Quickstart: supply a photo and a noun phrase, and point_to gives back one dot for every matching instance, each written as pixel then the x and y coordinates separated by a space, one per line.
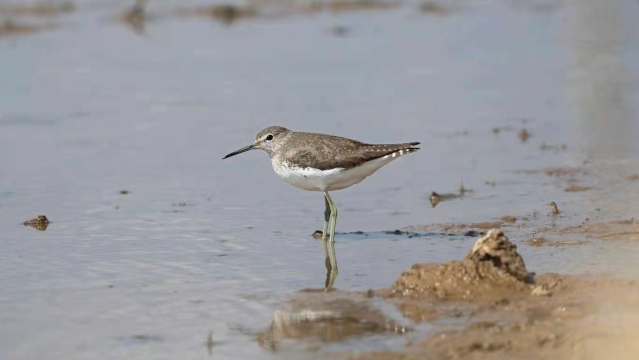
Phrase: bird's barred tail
pixel 391 150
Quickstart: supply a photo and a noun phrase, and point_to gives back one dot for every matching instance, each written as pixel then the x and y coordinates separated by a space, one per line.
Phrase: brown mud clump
pixel 351 5
pixel 42 9
pixel 10 27
pixel 492 267
pixel 561 171
pixel 576 188
pixel 431 7
pixel 509 219
pixel 226 13
pixel 136 16
pixel 39 222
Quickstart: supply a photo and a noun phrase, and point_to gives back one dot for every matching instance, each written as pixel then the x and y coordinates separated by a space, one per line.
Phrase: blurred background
pixel 114 117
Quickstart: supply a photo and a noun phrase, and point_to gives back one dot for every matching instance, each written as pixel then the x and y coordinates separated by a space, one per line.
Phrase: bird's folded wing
pixel 326 153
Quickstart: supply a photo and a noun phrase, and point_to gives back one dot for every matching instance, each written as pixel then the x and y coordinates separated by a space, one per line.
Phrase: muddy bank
pixel 508 312
pixel 576 318
pixel 485 306
pixel 493 266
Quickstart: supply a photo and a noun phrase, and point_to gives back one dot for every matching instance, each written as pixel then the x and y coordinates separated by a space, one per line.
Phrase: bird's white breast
pixel 333 179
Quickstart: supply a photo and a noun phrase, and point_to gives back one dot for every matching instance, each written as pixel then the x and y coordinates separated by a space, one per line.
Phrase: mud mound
pixel 492 269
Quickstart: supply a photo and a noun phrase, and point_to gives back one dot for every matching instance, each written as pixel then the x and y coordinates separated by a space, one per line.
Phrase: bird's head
pixel 269 140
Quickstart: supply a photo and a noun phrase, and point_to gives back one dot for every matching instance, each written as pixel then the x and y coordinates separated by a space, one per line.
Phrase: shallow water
pixel 202 245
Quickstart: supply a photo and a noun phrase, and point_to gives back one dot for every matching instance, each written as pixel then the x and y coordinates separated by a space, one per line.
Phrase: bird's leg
pixel 333 215
pixel 327 215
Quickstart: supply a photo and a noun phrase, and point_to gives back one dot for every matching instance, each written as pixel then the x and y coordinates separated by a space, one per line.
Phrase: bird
pixel 323 163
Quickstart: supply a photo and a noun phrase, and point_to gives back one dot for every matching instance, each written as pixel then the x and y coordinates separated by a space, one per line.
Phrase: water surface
pixel 200 245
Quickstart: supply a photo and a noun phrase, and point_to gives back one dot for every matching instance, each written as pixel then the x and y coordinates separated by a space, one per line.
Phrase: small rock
pixel 541 290
pixel 317 234
pixel 339 30
pixel 434 199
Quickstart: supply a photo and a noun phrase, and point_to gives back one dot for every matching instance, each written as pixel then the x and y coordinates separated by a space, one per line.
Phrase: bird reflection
pixel 330 262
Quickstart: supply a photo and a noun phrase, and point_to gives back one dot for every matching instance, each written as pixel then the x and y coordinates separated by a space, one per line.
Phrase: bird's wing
pixel 325 152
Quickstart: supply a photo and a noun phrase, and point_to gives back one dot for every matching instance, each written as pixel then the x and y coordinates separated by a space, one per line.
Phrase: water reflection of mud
pixel 319 317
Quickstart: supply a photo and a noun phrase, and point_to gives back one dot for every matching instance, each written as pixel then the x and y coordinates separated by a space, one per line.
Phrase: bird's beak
pixel 244 149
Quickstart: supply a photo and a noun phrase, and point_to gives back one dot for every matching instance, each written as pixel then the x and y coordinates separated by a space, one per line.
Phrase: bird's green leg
pixel 333 215
pixel 327 216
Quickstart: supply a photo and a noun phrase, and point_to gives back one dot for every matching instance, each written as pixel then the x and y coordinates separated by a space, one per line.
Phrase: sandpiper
pixel 320 162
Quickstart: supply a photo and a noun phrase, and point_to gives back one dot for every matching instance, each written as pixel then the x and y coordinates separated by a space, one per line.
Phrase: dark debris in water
pixel 431 7
pixel 136 16
pixel 351 5
pixel 226 13
pixel 11 27
pixel 340 30
pixel 40 222
pixel 473 233
pixel 436 198
pixel 140 339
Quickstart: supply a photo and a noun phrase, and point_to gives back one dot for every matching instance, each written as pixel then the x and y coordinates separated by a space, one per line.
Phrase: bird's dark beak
pixel 244 149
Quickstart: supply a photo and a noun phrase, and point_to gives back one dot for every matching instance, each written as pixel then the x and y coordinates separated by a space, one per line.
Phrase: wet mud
pixel 508 312
pixel 492 267
pixel 559 318
pixel 39 9
pixel 487 306
pixel 137 15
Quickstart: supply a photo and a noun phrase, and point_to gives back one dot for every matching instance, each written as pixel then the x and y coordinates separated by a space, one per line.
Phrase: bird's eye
pixel 269 137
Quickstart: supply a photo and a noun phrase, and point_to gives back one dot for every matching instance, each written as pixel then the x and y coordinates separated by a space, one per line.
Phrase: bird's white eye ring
pixel 268 137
